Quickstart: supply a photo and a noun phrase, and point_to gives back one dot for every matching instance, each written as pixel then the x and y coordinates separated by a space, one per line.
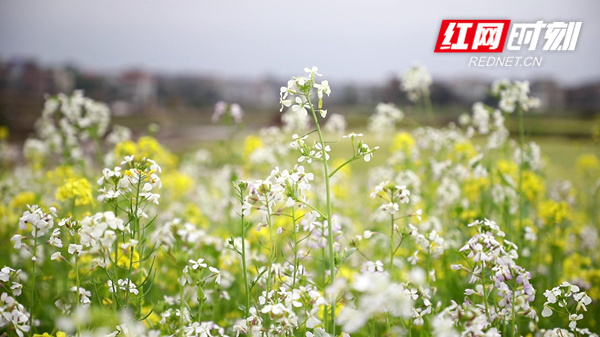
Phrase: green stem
pixel 135 230
pixel 344 164
pixel 77 275
pixel 392 251
pixel 181 293
pixel 295 249
pixel 244 267
pixel 271 247
pixel 312 208
pixel 514 315
pixel 485 299
pixel 521 164
pixel 33 285
pixel 329 211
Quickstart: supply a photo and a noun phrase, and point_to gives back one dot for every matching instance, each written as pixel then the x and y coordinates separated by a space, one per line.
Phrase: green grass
pixel 561 138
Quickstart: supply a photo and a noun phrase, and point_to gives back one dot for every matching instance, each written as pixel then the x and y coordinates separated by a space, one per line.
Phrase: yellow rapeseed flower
pixel 468 216
pixel 463 151
pixel 193 214
pixel 60 174
pixel 75 189
pixel 146 147
pixel 553 212
pixel 588 165
pixel 592 276
pixel 22 199
pixel 45 334
pixel 251 143
pixel 125 148
pixel 404 142
pixel 473 187
pixel 125 257
pixel 176 183
pixel 149 147
pixel 507 167
pixel 533 186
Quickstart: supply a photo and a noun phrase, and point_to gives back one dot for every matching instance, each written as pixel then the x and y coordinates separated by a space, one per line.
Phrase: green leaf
pixel 347 254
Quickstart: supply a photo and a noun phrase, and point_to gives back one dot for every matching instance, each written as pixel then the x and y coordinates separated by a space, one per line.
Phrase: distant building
pixel 552 97
pixel 470 90
pixel 585 98
pixel 137 87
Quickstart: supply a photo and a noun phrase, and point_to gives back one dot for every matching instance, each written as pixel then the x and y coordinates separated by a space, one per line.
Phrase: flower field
pixel 302 229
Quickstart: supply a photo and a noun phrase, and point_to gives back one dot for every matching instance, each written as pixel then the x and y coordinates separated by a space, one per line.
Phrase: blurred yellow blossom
pixel 533 186
pixel 507 167
pixel 176 183
pixel 60 174
pixel 251 143
pixel 553 212
pixel 4 133
pixel 472 187
pixel 75 189
pixel 588 165
pixel 463 151
pixel 146 147
pixel 22 199
pixel 404 142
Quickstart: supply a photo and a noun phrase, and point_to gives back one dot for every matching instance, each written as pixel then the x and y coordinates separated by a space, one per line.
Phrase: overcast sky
pixel 348 40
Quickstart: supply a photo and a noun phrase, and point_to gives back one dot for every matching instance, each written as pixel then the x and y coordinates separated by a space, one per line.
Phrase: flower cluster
pixel 304 251
pixel 34 219
pixel 567 299
pixel 391 195
pixel 67 122
pixel 223 109
pixel 127 180
pixel 415 82
pixel 510 282
pixel 300 88
pixel 375 293
pixel 514 95
pixel 12 313
pixel 384 121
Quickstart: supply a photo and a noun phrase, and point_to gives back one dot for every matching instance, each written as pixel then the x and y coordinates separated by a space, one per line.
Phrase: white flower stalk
pixel 495 269
pixel 304 89
pixel 375 293
pixel 514 95
pixel 415 82
pixel 336 124
pixel 392 196
pixel 383 121
pixel 232 111
pixel 69 122
pixel 569 300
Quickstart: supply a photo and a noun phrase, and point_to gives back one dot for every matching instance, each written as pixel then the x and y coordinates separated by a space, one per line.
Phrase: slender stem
pixel 312 208
pixel 77 275
pixel 135 231
pixel 244 267
pixel 33 285
pixel 181 294
pixel 344 164
pixel 272 249
pixel 521 164
pixel 329 211
pixel 485 299
pixel 295 248
pixel 514 315
pixel 392 251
